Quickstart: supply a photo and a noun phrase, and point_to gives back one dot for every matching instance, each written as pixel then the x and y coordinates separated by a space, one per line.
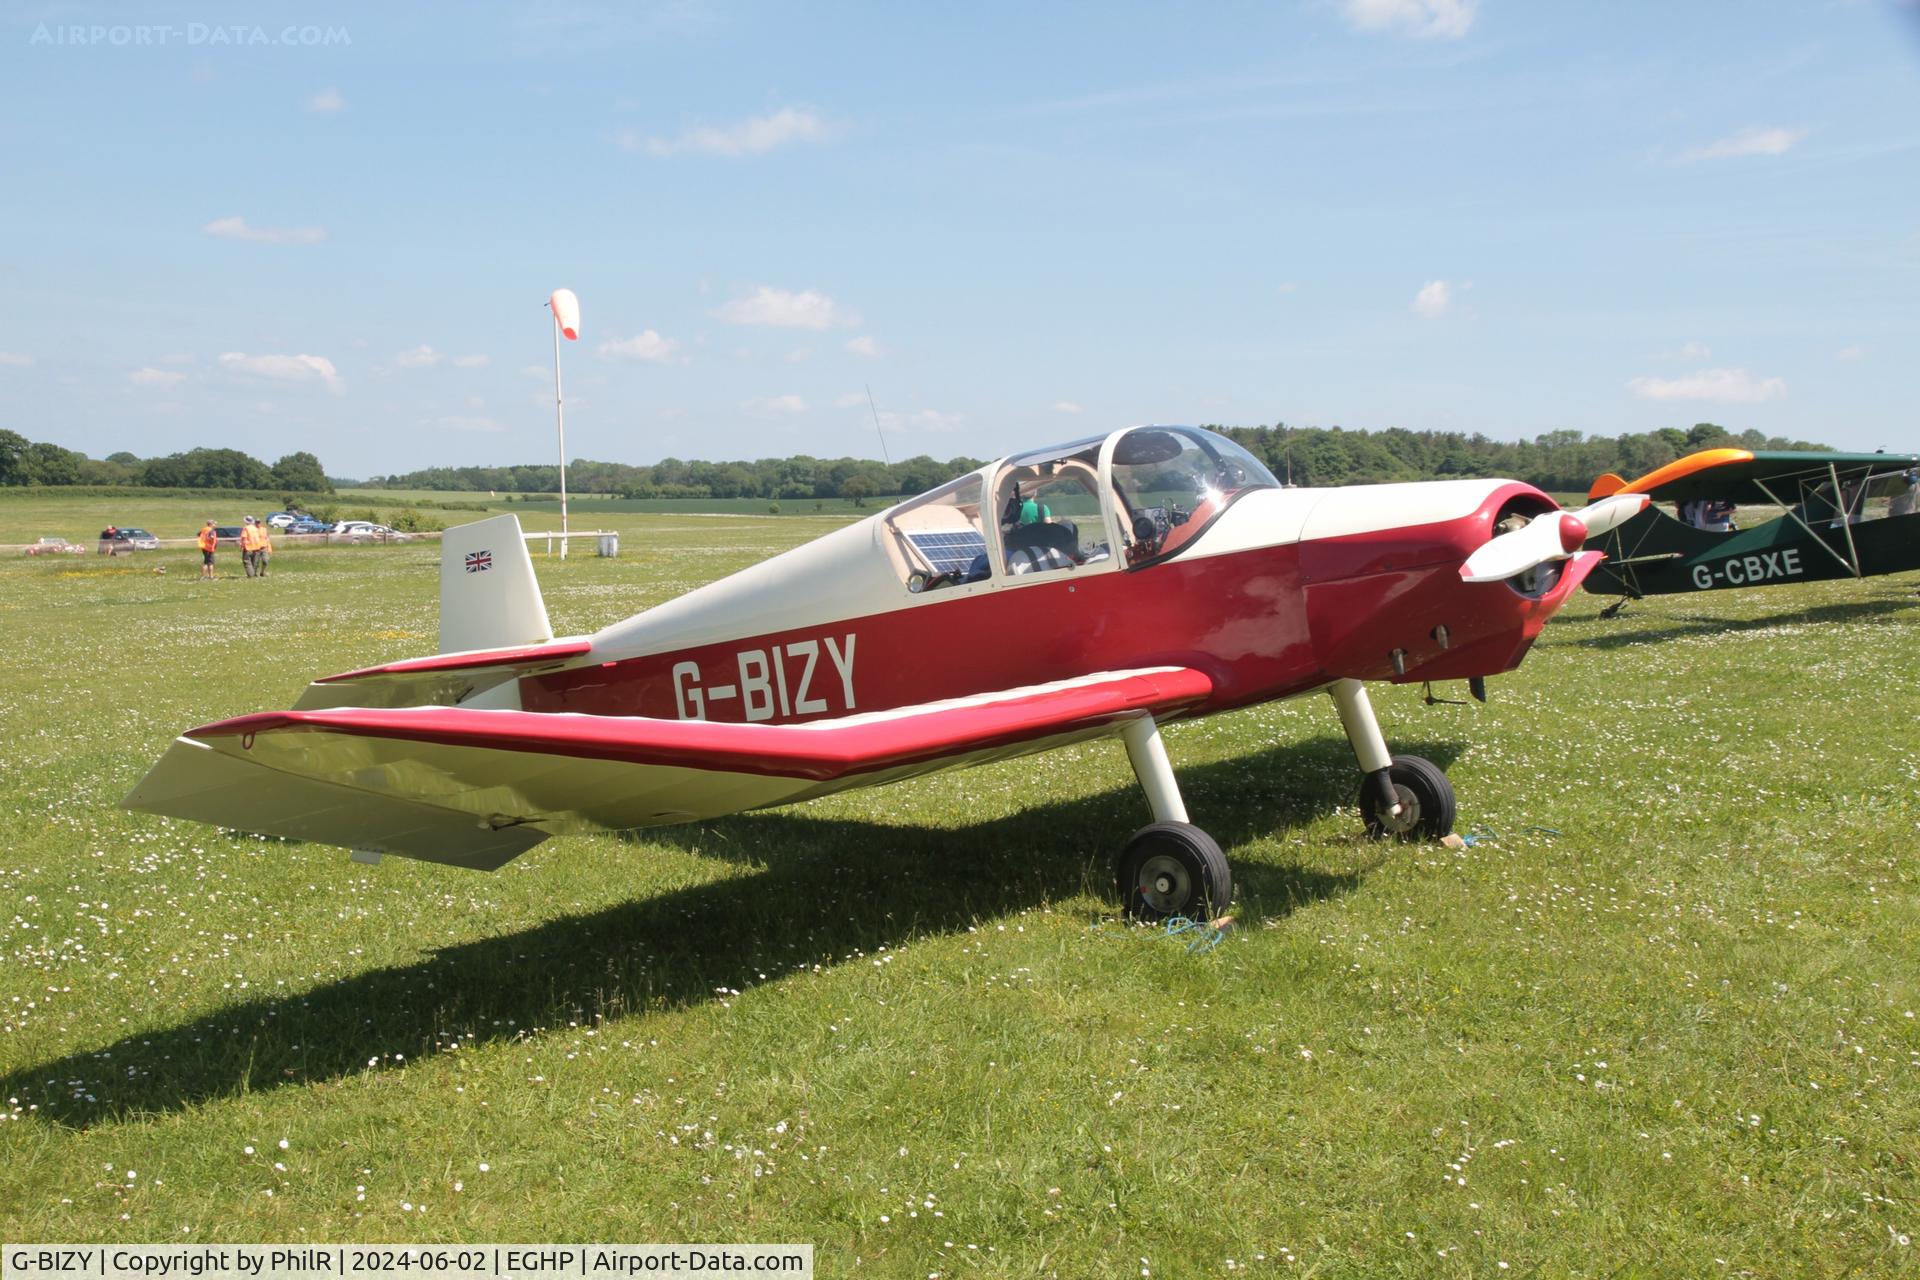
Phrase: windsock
pixel 566 312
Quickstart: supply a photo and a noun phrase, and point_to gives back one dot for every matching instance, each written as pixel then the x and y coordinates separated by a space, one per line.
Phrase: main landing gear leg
pixel 1405 797
pixel 1170 868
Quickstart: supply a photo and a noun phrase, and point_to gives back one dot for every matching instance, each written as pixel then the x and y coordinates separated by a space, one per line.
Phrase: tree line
pixel 24 462
pixel 1558 461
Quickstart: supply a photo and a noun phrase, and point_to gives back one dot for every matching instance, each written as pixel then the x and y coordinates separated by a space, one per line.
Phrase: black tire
pixel 1426 802
pixel 1173 869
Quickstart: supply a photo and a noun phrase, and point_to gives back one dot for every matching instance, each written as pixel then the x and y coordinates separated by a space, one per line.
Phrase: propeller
pixel 1553 536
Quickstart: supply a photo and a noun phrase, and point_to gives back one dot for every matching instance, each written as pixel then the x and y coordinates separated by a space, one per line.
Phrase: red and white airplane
pixel 1099 588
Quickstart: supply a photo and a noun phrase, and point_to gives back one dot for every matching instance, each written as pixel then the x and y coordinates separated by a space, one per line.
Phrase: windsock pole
pixel 560 425
pixel 566 322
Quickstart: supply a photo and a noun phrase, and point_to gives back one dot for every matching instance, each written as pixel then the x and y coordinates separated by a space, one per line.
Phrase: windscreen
pixel 1173 481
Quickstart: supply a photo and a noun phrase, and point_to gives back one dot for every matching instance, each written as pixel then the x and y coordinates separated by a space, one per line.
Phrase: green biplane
pixel 1842 515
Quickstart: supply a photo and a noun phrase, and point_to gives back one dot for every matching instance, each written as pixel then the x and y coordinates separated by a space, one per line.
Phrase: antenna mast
pixel 876 424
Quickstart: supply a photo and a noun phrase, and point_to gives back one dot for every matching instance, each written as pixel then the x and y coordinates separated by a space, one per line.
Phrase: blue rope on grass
pixel 1201 936
pixel 1481 833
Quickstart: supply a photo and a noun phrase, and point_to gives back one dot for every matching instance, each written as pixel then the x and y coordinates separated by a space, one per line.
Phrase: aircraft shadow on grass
pixel 1602 637
pixel 821 890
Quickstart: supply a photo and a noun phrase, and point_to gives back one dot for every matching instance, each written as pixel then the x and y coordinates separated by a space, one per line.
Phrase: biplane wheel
pixel 1426 802
pixel 1174 869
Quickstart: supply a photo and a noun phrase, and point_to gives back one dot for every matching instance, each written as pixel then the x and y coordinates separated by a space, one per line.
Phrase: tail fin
pixel 1605 487
pixel 489 598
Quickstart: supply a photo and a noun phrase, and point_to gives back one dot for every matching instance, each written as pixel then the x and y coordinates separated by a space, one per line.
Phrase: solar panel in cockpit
pixel 950 552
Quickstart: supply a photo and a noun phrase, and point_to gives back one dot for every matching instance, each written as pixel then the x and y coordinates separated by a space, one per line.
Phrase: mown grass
pixel 1659 1022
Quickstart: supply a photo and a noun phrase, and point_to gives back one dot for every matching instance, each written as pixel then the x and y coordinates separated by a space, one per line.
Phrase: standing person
pixel 263 553
pixel 249 540
pixel 208 541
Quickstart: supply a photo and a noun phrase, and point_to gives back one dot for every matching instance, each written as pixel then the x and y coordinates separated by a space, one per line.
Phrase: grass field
pixel 1661 1021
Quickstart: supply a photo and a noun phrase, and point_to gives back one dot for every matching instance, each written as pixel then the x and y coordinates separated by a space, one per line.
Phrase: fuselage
pixel 1282 592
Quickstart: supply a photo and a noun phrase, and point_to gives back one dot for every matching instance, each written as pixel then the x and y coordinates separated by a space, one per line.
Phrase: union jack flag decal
pixel 479 561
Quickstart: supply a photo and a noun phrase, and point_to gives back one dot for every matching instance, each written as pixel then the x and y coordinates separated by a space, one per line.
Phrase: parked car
pixel 307 524
pixel 56 547
pixel 132 539
pixel 367 531
pixel 282 519
pixel 226 535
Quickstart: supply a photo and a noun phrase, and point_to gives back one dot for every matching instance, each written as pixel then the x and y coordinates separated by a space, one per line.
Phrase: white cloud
pixel 648 346
pixel 1689 351
pixel 1427 19
pixel 1067 406
pixel 283 368
pixel 421 357
pixel 474 361
pixel 151 377
pixel 1434 299
pixel 751 136
pixel 456 422
pixel 923 420
pixel 1850 353
pixel 1748 142
pixel 327 100
pixel 237 229
pixel 786 310
pixel 863 346
pixel 15 359
pixel 1728 386
pixel 777 404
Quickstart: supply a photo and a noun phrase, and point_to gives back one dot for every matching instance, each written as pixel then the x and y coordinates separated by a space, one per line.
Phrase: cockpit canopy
pixel 1126 500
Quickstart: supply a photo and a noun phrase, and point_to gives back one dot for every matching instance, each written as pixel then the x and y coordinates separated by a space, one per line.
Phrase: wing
pixel 476 787
pixel 1748 477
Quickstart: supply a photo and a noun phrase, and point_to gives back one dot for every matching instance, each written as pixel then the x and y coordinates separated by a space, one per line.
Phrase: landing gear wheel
pixel 1426 802
pixel 1173 869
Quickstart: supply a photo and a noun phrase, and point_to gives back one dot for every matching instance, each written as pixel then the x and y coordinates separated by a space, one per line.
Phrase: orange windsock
pixel 566 312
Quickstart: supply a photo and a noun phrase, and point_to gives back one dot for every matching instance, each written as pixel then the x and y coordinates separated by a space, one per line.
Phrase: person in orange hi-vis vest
pixel 208 541
pixel 249 543
pixel 263 553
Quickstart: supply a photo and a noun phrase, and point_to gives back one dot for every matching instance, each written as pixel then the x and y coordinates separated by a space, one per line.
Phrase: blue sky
pixel 333 228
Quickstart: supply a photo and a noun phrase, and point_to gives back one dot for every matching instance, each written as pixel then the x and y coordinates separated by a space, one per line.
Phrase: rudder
pixel 489 598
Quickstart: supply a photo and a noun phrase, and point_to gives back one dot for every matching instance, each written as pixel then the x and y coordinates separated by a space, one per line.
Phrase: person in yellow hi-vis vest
pixel 208 541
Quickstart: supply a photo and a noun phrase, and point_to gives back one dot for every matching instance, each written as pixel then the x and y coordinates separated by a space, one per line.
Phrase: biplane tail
pixel 1605 487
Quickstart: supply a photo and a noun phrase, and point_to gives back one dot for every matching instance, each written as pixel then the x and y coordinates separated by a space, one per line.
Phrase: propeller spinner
pixel 1555 535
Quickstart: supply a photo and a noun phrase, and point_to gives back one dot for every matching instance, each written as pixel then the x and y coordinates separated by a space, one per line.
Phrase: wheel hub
pixel 1409 816
pixel 1165 885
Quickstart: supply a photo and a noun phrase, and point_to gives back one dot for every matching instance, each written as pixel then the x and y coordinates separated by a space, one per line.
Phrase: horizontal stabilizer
pixel 441 680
